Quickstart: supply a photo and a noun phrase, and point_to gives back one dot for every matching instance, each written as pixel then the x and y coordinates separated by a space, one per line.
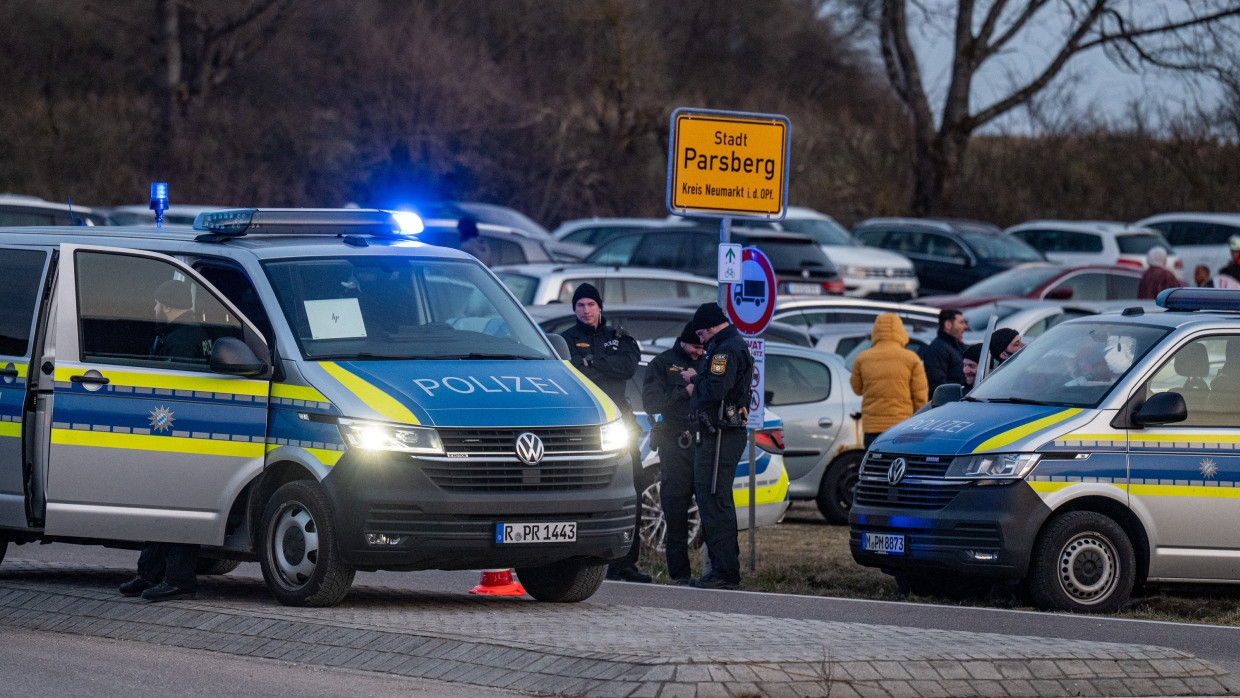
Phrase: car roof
pixel 849 302
pixel 545 270
pixel 950 225
pixel 1192 216
pixel 1104 227
pixel 578 223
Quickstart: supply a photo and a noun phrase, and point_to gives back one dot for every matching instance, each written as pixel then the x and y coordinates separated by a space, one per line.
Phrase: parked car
pixel 596 231
pixel 537 284
pixel 771 500
pixel 1197 238
pixel 17 209
pixel 821 314
pixel 949 255
pixel 650 322
pixel 799 264
pixel 507 245
pixel 1095 242
pixel 1047 281
pixel 868 272
pixel 448 213
pixel 138 214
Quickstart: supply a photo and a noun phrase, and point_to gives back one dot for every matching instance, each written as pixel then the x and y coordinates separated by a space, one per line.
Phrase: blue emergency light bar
pixel 1199 299
pixel 309 221
pixel 159 201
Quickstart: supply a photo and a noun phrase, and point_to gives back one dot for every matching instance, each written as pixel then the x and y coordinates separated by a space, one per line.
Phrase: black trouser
pixel 676 495
pixel 718 511
pixel 870 436
pixel 174 563
pixel 630 558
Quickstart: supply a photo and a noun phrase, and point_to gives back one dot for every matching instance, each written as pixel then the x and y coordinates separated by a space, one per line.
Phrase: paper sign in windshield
pixel 335 318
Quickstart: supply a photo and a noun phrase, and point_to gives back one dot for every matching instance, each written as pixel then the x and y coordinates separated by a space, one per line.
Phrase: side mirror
pixel 948 392
pixel 1062 293
pixel 234 357
pixel 1162 408
pixel 560 345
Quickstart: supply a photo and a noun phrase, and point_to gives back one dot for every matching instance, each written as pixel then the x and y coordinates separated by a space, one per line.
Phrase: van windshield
pixel 1073 364
pixel 382 308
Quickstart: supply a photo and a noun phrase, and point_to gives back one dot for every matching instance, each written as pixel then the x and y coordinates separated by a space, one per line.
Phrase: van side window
pixel 20 273
pixel 118 297
pixel 1206 372
pixel 238 288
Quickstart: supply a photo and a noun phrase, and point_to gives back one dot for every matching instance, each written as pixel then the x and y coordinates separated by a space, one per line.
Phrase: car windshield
pixel 395 307
pixel 1020 281
pixel 824 232
pixel 999 248
pixel 1073 364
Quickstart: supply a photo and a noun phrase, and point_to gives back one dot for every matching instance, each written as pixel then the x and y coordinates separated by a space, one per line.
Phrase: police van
pixel 1103 455
pixel 354 400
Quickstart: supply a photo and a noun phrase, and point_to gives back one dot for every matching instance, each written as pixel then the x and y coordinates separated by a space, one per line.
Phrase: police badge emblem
pixel 719 364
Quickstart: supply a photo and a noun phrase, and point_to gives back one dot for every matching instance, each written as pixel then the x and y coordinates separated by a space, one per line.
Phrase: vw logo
pixel 896 473
pixel 529 448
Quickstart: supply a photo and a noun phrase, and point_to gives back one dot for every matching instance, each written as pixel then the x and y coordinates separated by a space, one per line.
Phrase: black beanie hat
pixel 1000 340
pixel 708 315
pixel 688 335
pixel 587 290
pixel 973 353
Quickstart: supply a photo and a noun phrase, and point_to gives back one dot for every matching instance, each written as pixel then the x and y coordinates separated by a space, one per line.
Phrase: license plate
pixel 883 543
pixel 560 532
pixel 800 289
pixel 893 288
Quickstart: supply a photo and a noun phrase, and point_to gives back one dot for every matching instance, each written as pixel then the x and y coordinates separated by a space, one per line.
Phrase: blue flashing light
pixel 159 201
pixel 410 222
pixel 1199 299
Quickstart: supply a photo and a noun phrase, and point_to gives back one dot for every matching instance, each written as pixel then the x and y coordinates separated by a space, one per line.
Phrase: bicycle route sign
pixel 751 299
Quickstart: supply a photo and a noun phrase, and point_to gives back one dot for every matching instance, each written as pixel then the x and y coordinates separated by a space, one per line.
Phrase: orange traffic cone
pixel 498 583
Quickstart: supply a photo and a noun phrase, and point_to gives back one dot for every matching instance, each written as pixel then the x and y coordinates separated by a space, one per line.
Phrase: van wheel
pixel 209 565
pixel 835 492
pixel 1082 562
pixel 654 523
pixel 563 582
pixel 299 553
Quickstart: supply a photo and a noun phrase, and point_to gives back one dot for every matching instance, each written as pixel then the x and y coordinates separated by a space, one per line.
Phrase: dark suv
pixel 949 255
pixel 801 268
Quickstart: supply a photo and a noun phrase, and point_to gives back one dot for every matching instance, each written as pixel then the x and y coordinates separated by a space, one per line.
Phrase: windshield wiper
pixel 1020 401
pixel 480 355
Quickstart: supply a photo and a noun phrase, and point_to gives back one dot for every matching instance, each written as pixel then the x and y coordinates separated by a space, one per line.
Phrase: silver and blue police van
pixel 362 401
pixel 1103 455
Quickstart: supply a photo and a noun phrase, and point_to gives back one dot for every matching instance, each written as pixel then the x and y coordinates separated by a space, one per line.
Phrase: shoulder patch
pixel 719 364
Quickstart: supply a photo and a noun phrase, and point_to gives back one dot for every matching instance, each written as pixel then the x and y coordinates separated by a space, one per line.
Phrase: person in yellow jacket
pixel 889 378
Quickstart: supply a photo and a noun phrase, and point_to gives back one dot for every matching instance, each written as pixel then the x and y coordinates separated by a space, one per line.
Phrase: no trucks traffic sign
pixel 728 164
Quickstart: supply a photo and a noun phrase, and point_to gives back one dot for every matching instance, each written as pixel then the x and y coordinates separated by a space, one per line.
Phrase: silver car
pixel 538 284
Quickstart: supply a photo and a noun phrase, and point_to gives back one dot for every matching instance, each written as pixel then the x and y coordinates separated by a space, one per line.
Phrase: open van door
pixel 153 435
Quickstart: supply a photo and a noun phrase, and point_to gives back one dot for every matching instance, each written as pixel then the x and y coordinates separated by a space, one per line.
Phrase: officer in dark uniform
pixel 666 393
pixel 168 570
pixel 720 404
pixel 609 356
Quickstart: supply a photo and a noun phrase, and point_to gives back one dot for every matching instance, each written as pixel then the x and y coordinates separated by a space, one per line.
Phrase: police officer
pixel 608 356
pixel 666 393
pixel 720 404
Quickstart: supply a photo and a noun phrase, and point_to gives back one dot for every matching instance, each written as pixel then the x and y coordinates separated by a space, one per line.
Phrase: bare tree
pixel 1178 35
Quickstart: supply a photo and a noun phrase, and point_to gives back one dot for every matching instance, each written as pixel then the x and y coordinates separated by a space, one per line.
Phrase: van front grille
pixel 491 442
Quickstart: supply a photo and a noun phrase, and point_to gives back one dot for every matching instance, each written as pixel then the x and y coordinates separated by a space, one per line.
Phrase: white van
pixel 359 401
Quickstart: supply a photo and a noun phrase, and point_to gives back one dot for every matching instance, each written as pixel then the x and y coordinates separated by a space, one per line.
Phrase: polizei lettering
pixel 490 384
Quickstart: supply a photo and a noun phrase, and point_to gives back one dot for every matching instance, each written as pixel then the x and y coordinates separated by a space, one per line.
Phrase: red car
pixel 1046 281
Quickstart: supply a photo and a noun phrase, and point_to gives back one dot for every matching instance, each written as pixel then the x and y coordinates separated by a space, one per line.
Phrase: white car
pixel 867 271
pixel 1075 243
pixel 537 284
pixel 1197 238
pixel 17 209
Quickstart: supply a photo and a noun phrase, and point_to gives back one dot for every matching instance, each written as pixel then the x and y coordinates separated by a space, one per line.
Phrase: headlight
pixel 375 436
pixel 854 270
pixel 614 436
pixel 993 465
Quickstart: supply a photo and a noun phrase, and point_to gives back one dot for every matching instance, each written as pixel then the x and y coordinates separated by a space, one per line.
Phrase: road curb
pixel 595 650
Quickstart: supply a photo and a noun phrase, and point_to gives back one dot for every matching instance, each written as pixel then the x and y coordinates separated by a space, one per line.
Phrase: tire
pixel 654 525
pixel 1082 562
pixel 298 553
pixel 835 492
pixel 209 565
pixel 563 582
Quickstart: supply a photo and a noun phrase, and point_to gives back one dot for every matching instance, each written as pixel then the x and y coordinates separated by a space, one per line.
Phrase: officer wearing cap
pixel 720 403
pixel 608 357
pixel 666 393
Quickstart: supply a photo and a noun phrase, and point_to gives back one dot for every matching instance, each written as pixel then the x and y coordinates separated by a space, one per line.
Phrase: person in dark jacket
pixel 168 571
pixel 721 383
pixel 1156 278
pixel 1003 343
pixel 666 393
pixel 943 358
pixel 608 356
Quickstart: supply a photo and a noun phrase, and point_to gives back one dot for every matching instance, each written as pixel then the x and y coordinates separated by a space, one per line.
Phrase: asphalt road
pixel 1217 644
